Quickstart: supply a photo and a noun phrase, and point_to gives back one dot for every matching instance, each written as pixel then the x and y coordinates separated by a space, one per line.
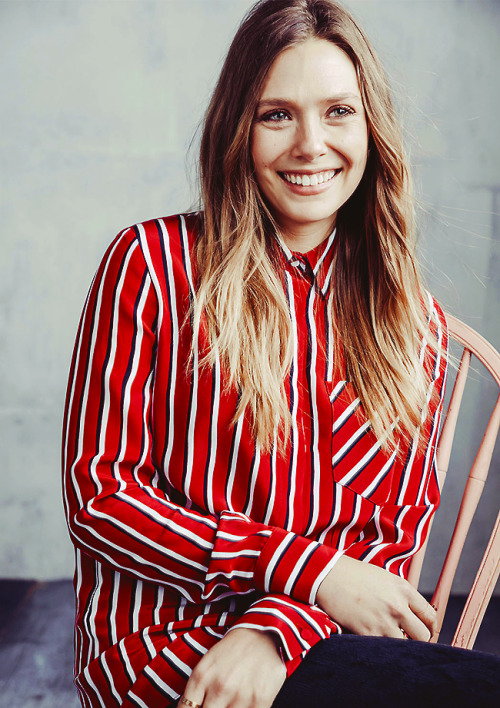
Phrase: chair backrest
pixel 489 568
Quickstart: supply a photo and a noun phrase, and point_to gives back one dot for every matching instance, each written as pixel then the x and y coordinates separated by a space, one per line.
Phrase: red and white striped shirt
pixel 183 528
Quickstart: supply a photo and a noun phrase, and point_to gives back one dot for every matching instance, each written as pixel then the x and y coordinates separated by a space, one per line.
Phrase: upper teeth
pixel 309 180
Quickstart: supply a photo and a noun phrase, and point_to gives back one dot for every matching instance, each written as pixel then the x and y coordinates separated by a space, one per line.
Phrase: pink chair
pixel 489 568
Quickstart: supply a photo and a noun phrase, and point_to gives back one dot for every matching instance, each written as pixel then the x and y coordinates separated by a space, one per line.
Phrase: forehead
pixel 315 66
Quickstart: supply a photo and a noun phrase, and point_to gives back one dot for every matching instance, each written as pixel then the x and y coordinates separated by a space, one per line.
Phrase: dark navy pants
pixel 351 671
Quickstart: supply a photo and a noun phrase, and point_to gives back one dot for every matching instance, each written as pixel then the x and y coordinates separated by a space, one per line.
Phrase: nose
pixel 309 139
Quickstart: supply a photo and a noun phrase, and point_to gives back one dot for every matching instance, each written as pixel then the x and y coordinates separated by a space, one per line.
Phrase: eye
pixel 275 116
pixel 340 111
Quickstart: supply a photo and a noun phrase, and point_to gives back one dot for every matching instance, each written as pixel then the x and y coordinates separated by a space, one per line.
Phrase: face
pixel 309 139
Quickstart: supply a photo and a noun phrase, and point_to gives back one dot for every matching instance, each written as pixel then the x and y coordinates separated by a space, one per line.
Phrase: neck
pixel 302 240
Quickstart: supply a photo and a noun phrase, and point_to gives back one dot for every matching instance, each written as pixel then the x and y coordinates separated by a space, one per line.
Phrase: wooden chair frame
pixel 489 569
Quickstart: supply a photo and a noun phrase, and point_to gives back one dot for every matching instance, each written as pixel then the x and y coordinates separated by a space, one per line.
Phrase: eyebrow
pixel 283 101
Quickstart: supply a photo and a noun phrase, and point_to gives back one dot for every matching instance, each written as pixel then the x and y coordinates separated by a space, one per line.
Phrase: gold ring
pixel 189 703
pixel 404 633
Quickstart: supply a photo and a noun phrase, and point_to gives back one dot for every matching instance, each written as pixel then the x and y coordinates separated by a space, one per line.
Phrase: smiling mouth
pixel 309 180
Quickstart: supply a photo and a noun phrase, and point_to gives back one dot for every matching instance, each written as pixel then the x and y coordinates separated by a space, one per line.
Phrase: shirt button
pixel 305 633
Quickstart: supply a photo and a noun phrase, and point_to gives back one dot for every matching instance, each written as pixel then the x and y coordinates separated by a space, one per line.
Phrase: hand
pixel 368 600
pixel 243 670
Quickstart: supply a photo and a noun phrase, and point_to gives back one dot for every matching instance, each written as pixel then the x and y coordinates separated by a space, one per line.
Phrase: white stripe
pixel 326 284
pixel 283 545
pixel 185 668
pixel 174 345
pixel 299 567
pixel 234 460
pixel 211 631
pixel 159 604
pixel 194 644
pixel 232 574
pixel 114 605
pixel 381 474
pixel 325 251
pixel 272 472
pixel 336 514
pixel 107 374
pixel 159 682
pixel 295 389
pixel 407 470
pixel 192 418
pixel 254 473
pixel 88 678
pixel 190 446
pixel 137 606
pixel 353 439
pixel 235 554
pixel 330 353
pixel 348 411
pixel 322 576
pixel 339 387
pixel 343 536
pixel 361 463
pixel 110 678
pixel 79 630
pixel 137 700
pixel 213 437
pixel 130 381
pixel 92 612
pixel 233 537
pixel 316 468
pixel 128 666
pixel 149 643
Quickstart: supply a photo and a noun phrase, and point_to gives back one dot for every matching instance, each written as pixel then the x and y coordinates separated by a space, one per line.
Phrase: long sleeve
pixel 297 626
pixel 118 511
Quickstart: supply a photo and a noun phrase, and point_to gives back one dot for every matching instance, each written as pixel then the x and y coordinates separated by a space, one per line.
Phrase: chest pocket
pixel 358 461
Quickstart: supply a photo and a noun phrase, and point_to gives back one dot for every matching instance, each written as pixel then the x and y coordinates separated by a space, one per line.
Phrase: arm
pixel 117 512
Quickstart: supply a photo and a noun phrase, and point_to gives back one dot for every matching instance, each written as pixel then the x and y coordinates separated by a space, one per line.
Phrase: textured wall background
pixel 100 100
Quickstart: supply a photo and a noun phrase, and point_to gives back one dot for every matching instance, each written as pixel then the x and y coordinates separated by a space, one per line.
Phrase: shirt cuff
pixel 251 556
pixel 296 626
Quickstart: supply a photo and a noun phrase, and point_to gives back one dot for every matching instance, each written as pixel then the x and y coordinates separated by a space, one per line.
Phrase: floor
pixel 36 643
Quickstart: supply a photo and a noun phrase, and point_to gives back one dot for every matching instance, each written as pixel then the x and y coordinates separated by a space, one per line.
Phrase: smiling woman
pixel 253 408
pixel 309 140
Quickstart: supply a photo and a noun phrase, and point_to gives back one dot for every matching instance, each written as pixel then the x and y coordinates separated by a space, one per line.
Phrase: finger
pixel 185 702
pixel 194 695
pixel 400 633
pixel 415 628
pixel 424 611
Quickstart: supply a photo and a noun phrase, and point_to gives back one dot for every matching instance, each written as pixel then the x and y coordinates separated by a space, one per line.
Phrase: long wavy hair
pixel 377 300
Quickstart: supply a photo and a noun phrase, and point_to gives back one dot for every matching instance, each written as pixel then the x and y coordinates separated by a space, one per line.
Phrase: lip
pixel 310 189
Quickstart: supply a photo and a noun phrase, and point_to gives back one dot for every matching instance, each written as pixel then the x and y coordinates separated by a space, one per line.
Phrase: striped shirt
pixel 183 528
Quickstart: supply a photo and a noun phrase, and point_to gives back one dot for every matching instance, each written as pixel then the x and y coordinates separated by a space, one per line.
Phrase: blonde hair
pixel 377 300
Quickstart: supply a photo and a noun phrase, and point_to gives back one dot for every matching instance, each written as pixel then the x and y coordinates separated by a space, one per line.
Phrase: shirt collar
pixel 317 264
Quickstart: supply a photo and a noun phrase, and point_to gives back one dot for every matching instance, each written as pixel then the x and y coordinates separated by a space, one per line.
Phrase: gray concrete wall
pixel 98 106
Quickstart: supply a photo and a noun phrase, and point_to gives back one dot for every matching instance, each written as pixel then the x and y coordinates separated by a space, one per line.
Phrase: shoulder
pixel 162 244
pixel 170 235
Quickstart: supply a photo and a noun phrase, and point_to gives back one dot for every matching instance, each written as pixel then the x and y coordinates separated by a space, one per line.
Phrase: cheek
pixel 264 149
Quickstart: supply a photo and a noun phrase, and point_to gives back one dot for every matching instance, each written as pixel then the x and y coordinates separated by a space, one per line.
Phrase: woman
pixel 254 400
